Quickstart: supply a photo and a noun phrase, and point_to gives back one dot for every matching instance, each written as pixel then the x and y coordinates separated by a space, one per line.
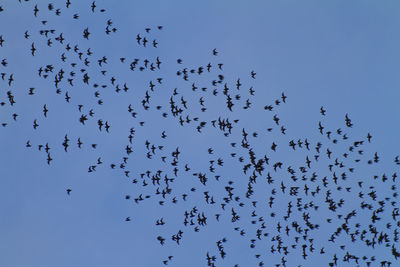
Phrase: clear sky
pixel 342 55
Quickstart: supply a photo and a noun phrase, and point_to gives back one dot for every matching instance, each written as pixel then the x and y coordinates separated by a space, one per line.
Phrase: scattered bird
pixel 281 181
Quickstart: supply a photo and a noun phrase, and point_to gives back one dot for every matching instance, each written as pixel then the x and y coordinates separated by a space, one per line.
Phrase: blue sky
pixel 342 55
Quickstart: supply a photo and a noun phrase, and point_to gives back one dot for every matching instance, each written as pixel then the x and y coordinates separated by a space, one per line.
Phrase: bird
pixel 35 11
pixel 323 111
pixel 33 49
pixel 45 110
pixel 93 6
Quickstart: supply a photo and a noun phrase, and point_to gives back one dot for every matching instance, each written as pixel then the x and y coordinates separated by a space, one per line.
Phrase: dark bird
pixel 369 137
pixel 93 6
pixel 49 159
pixel 33 49
pixel 35 10
pixel 283 98
pixel 86 33
pixel 35 124
pixel 322 111
pixel 348 121
pixel 45 110
pixel 238 84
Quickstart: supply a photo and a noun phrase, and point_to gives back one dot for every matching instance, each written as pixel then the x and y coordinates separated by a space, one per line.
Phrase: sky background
pixel 342 55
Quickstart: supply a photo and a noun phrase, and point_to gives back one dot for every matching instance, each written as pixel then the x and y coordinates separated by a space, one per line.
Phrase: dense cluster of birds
pixel 272 204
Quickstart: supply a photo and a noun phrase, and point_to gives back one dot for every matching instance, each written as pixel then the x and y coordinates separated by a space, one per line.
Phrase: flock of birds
pixel 272 204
